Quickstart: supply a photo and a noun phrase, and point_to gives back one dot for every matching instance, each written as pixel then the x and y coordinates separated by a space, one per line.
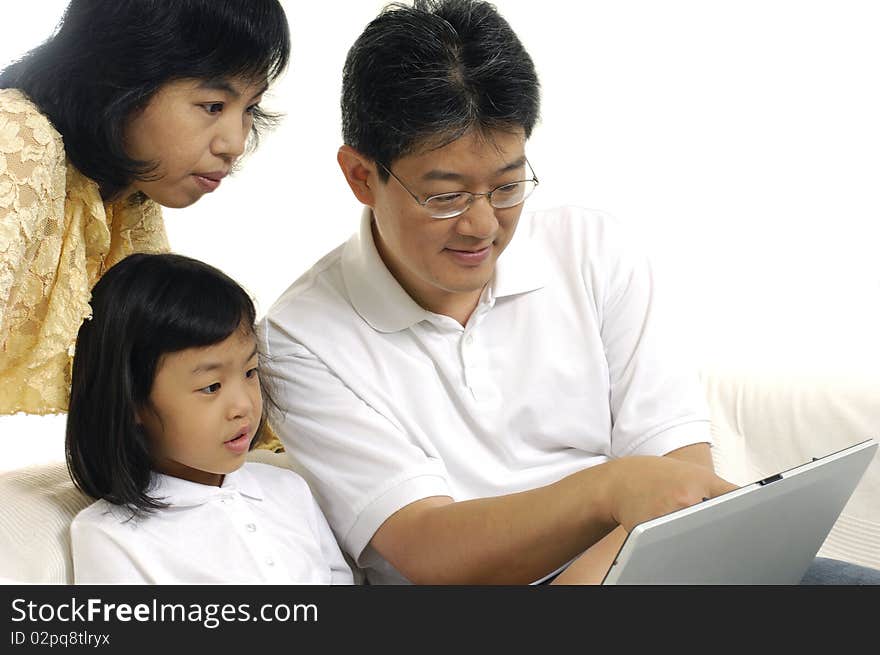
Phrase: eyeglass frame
pixel 470 194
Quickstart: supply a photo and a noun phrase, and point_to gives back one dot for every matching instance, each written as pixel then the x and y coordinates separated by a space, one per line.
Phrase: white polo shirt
pixel 567 361
pixel 261 526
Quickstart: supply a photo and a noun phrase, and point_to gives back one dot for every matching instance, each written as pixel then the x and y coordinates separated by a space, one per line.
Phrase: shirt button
pixel 270 561
pixel 469 339
pixel 251 527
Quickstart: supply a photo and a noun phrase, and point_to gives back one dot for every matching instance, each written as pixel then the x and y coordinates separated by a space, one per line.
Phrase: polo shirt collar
pixel 374 293
pixel 380 300
pixel 522 266
pixel 183 493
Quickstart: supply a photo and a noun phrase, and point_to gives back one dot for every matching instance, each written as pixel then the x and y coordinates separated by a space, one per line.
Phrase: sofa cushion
pixel 39 503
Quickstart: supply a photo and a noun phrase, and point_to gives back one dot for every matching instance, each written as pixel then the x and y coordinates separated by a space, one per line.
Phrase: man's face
pixel 444 263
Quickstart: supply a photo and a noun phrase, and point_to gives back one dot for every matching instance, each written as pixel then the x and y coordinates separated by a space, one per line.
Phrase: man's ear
pixel 360 173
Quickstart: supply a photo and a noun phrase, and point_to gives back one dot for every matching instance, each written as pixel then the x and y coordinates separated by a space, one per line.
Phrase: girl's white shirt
pixel 262 525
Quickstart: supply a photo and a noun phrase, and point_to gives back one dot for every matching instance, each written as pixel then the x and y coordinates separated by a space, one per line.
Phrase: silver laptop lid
pixel 767 532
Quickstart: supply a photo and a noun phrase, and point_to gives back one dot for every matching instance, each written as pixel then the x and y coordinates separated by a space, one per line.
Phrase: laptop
pixel 764 533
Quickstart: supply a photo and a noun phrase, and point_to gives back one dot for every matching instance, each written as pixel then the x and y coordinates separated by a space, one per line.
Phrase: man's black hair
pixel 423 75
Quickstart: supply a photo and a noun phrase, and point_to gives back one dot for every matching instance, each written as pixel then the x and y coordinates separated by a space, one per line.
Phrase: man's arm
pixel 517 538
pixel 698 453
pixel 648 369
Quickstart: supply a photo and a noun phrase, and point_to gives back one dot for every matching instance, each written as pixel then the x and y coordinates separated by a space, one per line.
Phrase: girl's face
pixel 195 130
pixel 204 408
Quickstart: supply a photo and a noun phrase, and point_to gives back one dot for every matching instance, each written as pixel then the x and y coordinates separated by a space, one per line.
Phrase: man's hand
pixel 644 488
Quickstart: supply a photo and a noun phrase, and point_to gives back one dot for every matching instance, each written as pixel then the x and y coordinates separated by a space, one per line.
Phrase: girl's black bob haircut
pixel 108 58
pixel 143 307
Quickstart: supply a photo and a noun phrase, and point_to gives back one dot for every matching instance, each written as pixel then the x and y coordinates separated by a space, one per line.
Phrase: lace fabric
pixel 56 239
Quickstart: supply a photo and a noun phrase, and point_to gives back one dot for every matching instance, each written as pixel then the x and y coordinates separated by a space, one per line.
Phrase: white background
pixel 740 139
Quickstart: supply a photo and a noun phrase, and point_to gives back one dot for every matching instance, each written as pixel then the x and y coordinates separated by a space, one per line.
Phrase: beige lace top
pixel 56 238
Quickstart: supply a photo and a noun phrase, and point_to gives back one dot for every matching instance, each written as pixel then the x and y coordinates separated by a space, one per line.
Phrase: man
pixel 476 395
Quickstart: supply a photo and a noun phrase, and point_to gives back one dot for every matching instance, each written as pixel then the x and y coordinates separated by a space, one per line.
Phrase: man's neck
pixel 457 306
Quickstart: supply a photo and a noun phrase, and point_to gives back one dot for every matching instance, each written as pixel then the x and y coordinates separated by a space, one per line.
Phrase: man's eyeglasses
pixel 450 205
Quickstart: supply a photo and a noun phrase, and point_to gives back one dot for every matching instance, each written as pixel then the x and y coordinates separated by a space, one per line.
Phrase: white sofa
pixel 764 419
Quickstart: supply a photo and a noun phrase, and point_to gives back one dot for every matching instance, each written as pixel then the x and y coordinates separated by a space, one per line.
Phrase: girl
pixel 165 403
pixel 132 104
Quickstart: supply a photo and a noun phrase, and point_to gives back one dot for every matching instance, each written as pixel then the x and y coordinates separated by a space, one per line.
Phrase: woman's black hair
pixel 143 307
pixel 109 57
pixel 426 74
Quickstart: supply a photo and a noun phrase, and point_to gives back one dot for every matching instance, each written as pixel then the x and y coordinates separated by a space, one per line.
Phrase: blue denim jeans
pixel 825 571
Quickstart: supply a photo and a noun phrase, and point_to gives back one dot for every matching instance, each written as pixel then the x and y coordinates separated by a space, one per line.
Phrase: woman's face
pixel 194 130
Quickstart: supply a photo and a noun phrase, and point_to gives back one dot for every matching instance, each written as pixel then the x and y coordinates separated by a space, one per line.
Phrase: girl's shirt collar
pixel 183 493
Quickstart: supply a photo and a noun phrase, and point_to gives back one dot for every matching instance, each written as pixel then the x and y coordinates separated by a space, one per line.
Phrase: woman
pixel 131 105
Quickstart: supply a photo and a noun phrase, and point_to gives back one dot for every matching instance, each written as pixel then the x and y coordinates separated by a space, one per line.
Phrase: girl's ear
pixel 139 413
pixel 360 173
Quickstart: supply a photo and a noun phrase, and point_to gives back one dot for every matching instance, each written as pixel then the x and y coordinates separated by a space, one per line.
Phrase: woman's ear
pixel 360 173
